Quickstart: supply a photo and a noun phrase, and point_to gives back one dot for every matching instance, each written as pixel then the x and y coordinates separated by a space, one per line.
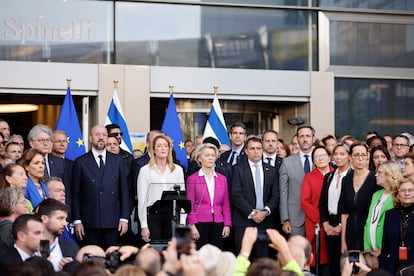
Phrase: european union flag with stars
pixel 171 127
pixel 68 122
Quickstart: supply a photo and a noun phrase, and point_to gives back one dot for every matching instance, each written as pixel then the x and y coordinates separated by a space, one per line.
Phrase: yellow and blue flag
pixel 171 127
pixel 68 122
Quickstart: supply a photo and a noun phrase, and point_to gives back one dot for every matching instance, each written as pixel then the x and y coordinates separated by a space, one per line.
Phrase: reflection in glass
pixel 402 5
pixel 371 44
pixel 373 104
pixel 207 36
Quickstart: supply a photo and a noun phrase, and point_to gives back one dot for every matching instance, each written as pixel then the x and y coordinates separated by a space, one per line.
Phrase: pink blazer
pixel 197 193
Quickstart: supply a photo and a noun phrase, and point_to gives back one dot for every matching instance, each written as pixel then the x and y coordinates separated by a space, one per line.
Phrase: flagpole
pixel 116 84
pixel 215 87
pixel 68 82
pixel 171 87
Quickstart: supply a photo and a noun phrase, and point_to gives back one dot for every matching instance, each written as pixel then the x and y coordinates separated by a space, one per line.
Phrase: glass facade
pixel 373 104
pixel 393 5
pixel 220 37
pixel 371 44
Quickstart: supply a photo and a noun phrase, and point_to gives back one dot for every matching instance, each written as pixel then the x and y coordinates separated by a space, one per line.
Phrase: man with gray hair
pixel 40 137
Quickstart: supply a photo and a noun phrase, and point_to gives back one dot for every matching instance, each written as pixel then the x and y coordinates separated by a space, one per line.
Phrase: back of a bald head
pixel 303 243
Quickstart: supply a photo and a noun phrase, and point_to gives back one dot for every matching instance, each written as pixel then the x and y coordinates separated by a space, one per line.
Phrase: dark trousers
pixel 210 232
pixel 160 226
pixel 104 238
pixel 333 246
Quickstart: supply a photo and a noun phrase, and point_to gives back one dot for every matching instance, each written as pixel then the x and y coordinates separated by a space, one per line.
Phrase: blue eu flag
pixel 171 127
pixel 68 122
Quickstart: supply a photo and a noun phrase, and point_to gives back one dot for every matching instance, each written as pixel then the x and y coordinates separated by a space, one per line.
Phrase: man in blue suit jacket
pixel 99 193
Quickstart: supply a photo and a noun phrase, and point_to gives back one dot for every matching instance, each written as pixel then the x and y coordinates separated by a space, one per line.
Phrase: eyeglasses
pixel 43 141
pixel 405 191
pixel 318 156
pixel 400 145
pixel 117 133
pixel 359 155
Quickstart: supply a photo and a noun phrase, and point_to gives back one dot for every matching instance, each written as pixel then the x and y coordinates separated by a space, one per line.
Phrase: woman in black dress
pixel 356 194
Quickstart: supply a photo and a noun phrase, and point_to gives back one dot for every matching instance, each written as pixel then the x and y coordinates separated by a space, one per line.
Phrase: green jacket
pixel 380 227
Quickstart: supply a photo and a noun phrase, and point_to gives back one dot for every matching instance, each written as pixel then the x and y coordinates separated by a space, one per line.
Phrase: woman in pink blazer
pixel 210 217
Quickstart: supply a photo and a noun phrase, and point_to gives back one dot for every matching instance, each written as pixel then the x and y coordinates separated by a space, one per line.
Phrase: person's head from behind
pixel 263 267
pixel 91 268
pixel 129 270
pixel 42 264
pixel 27 231
pixel 306 247
pixel 53 214
pixel 89 250
pixel 148 259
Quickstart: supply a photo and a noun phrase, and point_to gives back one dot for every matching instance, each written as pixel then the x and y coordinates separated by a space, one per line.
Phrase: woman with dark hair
pixel 378 155
pixel 159 175
pixel 398 238
pixel 34 163
pixel 329 204
pixel 407 169
pixel 282 149
pixel 376 141
pixel 356 195
pixel 309 199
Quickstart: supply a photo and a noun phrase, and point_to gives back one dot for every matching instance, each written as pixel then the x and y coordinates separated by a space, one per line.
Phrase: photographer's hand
pixel 171 264
pixel 249 238
pixel 64 261
pixel 279 243
pixel 126 251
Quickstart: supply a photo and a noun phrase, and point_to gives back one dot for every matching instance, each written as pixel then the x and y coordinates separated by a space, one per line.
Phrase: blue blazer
pixel 99 201
pixel 388 259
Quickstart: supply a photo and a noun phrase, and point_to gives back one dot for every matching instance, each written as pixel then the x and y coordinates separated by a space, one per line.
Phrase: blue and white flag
pixel 116 116
pixel 171 127
pixel 68 122
pixel 215 126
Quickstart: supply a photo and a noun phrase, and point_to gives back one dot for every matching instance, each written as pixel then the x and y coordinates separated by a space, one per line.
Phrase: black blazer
pixel 99 200
pixel 10 258
pixel 242 194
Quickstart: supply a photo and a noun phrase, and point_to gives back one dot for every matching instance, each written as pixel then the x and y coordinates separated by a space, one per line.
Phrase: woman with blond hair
pixel 159 175
pixel 388 174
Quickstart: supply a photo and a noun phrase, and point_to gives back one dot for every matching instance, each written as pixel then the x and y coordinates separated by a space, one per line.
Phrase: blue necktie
pixel 101 163
pixel 307 164
pixel 258 188
pixel 233 153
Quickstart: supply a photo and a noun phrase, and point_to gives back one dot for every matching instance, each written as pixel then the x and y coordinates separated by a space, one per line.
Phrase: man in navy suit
pixel 99 193
pixel 27 230
pixel 254 193
pixel 53 215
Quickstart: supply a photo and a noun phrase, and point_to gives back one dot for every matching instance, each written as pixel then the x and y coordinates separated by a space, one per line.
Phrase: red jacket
pixel 309 201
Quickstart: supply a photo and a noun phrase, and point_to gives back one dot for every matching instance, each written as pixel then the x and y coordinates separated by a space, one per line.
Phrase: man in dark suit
pixel 254 195
pixel 53 215
pixel 27 230
pixel 99 193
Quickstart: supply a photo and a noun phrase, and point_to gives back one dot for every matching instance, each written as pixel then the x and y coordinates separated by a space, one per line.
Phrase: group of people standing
pixel 356 192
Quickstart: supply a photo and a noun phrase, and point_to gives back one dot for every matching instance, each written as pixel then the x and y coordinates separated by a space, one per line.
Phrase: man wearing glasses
pixel 400 146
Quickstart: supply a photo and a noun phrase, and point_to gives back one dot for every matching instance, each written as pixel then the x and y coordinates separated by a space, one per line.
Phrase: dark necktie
pixel 306 167
pixel 233 153
pixel 258 188
pixel 269 160
pixel 101 163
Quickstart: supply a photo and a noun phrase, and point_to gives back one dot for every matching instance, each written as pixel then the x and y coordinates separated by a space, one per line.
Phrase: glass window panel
pixel 371 44
pixel 362 105
pixel 402 5
pixel 302 3
pixel 58 31
pixel 204 36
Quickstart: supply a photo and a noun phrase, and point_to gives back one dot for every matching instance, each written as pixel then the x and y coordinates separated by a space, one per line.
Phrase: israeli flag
pixel 216 127
pixel 116 116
